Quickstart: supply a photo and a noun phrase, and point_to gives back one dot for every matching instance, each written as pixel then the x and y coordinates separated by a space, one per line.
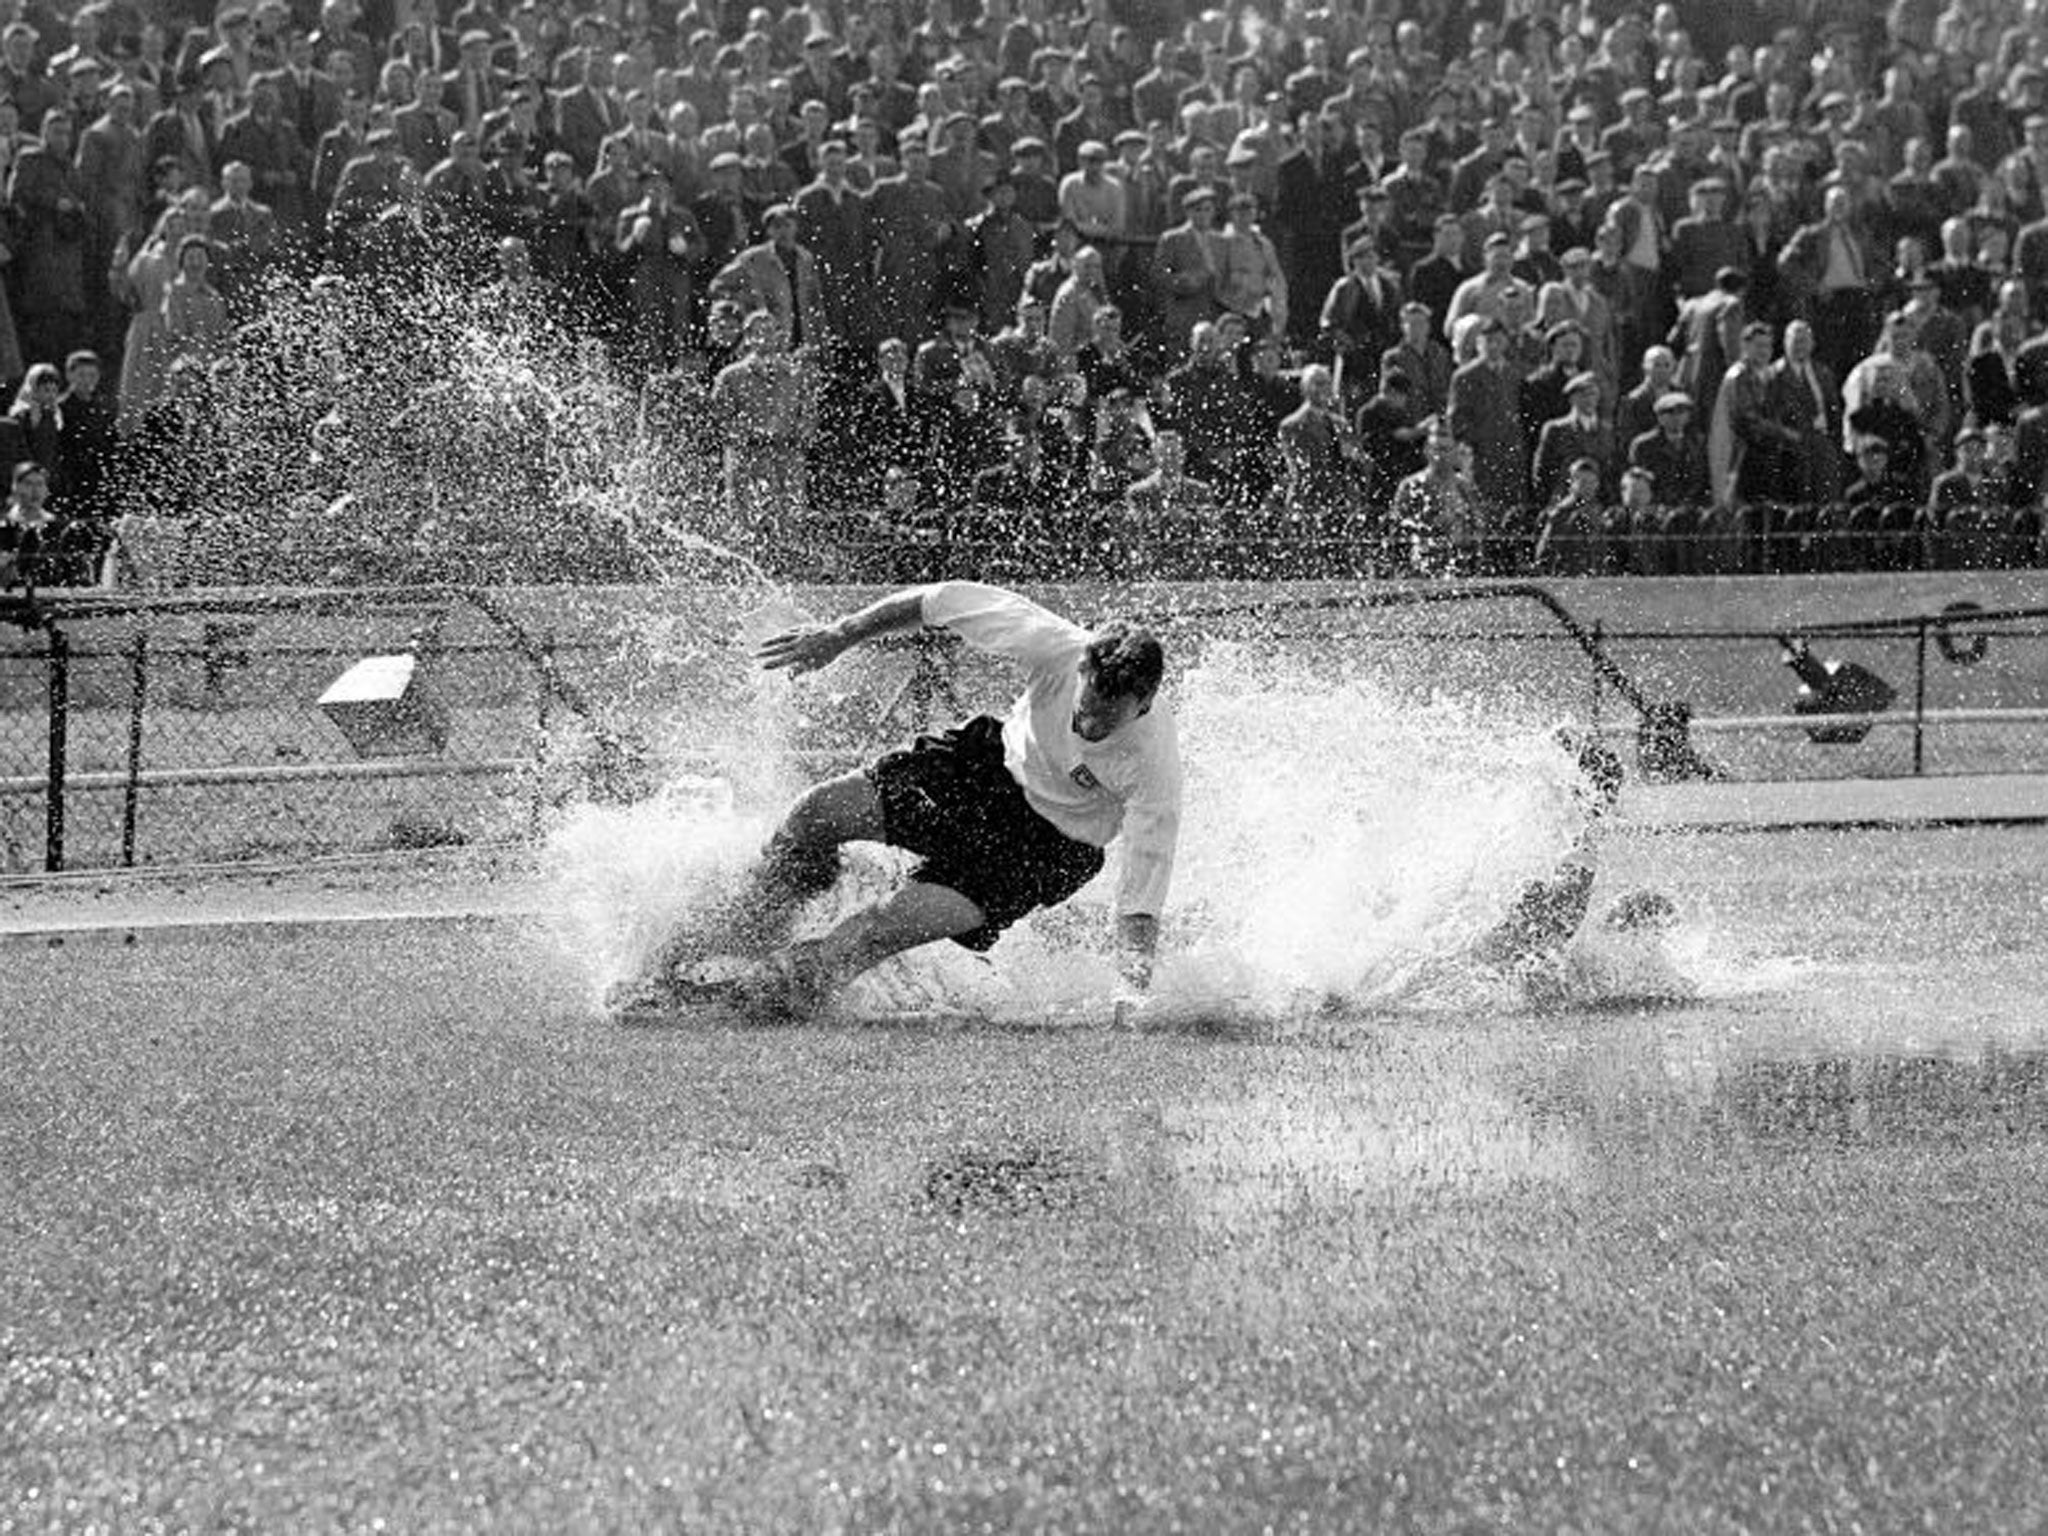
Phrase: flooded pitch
pixel 311 1227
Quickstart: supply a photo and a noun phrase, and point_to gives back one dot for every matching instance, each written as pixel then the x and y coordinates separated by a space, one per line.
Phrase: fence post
pixel 60 725
pixel 1919 696
pixel 138 696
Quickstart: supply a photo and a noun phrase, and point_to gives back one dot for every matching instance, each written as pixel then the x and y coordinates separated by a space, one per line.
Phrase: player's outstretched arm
pixel 1138 936
pixel 811 646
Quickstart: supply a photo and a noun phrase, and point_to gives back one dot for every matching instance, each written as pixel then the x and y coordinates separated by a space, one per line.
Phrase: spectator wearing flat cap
pixel 1360 321
pixel 1674 454
pixel 1187 267
pixel 1093 200
pixel 1577 435
pixel 1482 293
pixel 474 88
pixel 1000 245
pixel 1485 415
pixel 779 276
pixel 1705 241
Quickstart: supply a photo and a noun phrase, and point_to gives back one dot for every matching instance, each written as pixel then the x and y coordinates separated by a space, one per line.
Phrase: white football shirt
pixel 1090 790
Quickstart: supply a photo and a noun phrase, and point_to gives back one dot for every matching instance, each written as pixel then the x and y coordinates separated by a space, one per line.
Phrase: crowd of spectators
pixel 1464 286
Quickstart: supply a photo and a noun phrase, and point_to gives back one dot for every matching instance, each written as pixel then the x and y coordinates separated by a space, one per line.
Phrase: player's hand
pixel 803 649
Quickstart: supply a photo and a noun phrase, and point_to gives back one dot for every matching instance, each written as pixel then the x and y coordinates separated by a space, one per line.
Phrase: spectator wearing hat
pixel 1360 321
pixel 817 76
pixel 1705 241
pixel 999 132
pixel 473 199
pixel 999 244
pixel 1482 294
pixel 1576 436
pixel 1535 263
pixel 1434 281
pixel 1093 200
pixel 661 245
pixel 721 211
pixel 1088 123
pixel 1485 414
pixel 1560 357
pixel 1250 281
pixel 1145 177
pixel 1038 194
pixel 1574 298
pixel 779 276
pixel 375 180
pixel 909 224
pixel 1187 269
pixel 1960 503
pixel 1675 455
pixel 473 89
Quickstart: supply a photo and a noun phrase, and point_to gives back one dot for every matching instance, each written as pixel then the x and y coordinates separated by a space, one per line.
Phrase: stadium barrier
pixel 203 727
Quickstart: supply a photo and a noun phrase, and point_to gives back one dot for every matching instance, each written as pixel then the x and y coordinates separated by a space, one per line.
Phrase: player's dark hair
pixel 1127 660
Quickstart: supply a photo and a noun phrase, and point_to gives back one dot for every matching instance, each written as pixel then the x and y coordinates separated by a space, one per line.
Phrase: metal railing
pixel 187 728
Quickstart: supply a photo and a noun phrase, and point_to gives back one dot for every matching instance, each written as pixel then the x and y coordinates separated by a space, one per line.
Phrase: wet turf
pixel 305 1232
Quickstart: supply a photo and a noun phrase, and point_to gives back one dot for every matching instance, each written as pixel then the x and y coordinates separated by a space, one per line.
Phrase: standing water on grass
pixel 1344 845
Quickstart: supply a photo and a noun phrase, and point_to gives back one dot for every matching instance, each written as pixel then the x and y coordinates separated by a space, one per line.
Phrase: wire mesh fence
pixel 206 728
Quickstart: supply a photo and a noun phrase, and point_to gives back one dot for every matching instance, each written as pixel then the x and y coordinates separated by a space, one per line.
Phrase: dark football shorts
pixel 950 799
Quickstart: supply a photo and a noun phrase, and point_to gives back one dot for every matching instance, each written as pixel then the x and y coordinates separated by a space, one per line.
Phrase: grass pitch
pixel 312 1231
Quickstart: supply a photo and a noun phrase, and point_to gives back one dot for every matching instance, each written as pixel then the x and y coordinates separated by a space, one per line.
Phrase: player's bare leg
pixel 800 861
pixel 919 913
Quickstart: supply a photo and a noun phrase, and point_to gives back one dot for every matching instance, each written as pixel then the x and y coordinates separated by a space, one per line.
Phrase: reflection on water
pixel 1886 1099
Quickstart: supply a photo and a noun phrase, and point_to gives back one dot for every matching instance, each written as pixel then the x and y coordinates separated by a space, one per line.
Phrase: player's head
pixel 1120 675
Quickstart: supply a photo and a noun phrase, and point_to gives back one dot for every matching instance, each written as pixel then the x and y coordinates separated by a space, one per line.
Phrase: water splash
pixel 1346 844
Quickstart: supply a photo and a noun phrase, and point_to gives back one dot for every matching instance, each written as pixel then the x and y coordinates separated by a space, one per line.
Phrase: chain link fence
pixel 207 728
